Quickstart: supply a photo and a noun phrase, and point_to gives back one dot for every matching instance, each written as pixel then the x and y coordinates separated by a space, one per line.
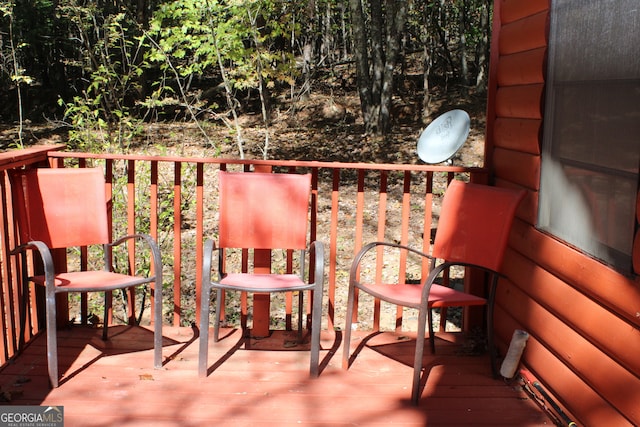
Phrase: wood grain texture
pixel 113 383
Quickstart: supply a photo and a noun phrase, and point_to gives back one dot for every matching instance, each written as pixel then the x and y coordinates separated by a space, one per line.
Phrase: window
pixel 591 143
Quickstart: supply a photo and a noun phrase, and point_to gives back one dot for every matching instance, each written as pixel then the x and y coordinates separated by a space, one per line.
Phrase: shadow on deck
pixel 114 383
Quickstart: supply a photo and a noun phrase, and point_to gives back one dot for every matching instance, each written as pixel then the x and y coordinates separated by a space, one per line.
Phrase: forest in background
pixel 101 74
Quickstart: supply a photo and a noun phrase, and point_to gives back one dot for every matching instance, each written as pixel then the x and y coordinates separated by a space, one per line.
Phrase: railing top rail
pixel 15 158
pixel 283 163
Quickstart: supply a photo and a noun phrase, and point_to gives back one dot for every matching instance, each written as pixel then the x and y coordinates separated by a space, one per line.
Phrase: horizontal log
pixel 612 381
pixel 525 34
pixel 512 10
pixel 517 167
pixel 523 68
pixel 518 134
pixel 603 328
pixel 613 290
pixel 523 102
pixel 577 397
pixel 636 253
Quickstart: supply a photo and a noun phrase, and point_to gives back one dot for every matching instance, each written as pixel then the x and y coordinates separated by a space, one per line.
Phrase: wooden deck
pixel 114 383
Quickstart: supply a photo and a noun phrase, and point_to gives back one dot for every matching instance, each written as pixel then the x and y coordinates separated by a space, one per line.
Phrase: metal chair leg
pixel 203 354
pixel 346 346
pixel 300 313
pixel 417 362
pixel 216 319
pixel 105 319
pixel 52 339
pixel 157 330
pixel 316 326
pixel 432 338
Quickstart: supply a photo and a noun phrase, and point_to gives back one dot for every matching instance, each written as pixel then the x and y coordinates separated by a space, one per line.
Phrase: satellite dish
pixel 444 136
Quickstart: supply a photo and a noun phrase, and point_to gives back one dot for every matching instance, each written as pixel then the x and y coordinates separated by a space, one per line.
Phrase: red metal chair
pixel 263 211
pixel 473 231
pixel 67 207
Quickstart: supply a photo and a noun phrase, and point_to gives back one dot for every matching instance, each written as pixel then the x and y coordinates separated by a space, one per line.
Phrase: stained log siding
pixel 583 318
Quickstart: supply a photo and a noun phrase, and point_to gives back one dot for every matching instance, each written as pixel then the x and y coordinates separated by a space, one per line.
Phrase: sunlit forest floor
pixel 323 125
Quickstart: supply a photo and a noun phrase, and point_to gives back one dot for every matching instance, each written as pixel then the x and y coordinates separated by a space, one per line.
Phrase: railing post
pixel 261 265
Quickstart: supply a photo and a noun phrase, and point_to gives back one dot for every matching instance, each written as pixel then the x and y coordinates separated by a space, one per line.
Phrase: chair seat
pixel 89 281
pixel 409 295
pixel 263 282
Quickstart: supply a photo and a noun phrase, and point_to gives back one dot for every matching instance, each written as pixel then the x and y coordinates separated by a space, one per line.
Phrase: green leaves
pixel 200 36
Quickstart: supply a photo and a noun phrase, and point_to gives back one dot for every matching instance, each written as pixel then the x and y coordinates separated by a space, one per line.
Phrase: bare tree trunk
pixel 428 50
pixel 307 51
pixel 263 90
pixel 427 62
pixel 443 32
pixel 16 75
pixel 344 30
pixel 376 61
pixel 396 13
pixel 327 38
pixel 361 56
pixel 463 43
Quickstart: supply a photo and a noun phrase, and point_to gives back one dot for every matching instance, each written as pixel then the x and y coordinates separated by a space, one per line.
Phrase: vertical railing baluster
pixel 153 225
pixel 199 235
pixel 108 176
pixel 428 218
pixel 313 235
pixel 333 244
pixel 359 230
pixel 84 261
pixel 177 243
pixel 288 297
pixel 131 229
pixel 244 304
pixel 12 294
pixel 404 239
pixel 382 221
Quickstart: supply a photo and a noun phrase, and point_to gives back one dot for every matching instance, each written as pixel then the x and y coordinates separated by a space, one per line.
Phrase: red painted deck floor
pixel 114 383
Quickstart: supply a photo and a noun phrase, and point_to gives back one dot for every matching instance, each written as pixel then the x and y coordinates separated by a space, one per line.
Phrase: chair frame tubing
pixel 316 289
pixel 51 290
pixel 425 314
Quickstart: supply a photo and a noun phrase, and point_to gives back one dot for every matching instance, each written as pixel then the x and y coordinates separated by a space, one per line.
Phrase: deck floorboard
pixel 262 383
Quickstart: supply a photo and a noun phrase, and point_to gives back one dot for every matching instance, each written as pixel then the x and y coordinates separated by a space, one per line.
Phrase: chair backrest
pixel 263 210
pixel 474 225
pixel 62 207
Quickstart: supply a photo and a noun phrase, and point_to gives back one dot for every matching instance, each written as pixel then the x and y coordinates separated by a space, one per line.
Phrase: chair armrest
pixel 468 264
pixel 209 248
pixel 45 255
pixel 317 248
pixel 353 271
pixel 150 242
pixel 435 272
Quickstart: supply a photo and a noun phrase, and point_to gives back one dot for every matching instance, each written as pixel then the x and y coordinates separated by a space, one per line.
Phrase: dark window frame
pixel 591 141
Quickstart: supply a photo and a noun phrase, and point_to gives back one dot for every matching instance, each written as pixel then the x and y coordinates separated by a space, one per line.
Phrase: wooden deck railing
pixel 174 199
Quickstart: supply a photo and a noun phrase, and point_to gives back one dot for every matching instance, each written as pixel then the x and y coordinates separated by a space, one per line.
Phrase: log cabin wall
pixel 583 317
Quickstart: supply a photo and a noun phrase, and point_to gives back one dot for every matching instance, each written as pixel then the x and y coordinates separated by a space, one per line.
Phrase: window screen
pixel 591 145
